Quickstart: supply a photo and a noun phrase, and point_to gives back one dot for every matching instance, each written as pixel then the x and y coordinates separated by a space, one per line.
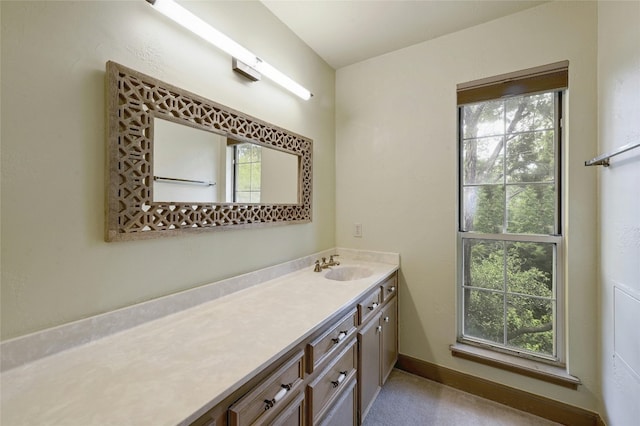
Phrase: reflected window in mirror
pixel 263 175
pixel 247 160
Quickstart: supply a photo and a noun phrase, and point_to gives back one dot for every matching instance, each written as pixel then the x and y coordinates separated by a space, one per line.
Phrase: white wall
pixel 56 266
pixel 279 181
pixel 619 202
pixel 396 174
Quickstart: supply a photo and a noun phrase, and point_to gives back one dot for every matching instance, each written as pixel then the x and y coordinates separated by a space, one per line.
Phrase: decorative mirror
pixel 178 162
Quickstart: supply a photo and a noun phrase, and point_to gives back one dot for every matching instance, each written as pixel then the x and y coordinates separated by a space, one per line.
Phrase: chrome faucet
pixel 318 267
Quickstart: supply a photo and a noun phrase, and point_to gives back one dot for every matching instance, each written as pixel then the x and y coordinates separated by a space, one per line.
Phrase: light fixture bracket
pixel 242 56
pixel 245 70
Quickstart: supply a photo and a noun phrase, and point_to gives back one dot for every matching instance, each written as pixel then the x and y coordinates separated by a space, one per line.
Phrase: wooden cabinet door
pixel 369 340
pixel 389 322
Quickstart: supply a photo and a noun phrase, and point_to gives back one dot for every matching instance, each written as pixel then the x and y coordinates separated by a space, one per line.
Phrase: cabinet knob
pixel 386 319
pixel 340 337
pixel 372 307
pixel 281 393
pixel 341 377
pixel 391 289
pixel 379 328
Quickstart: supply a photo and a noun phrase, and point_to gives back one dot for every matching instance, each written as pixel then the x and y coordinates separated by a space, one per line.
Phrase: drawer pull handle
pixel 372 307
pixel 281 393
pixel 391 289
pixel 341 377
pixel 386 319
pixel 340 337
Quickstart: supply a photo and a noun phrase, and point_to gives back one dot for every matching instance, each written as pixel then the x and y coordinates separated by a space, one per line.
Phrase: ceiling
pixel 344 32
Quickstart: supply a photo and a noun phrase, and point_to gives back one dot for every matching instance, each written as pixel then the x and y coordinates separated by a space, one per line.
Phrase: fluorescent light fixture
pixel 182 16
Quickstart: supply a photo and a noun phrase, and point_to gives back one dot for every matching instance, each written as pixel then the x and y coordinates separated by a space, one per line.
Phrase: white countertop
pixel 171 370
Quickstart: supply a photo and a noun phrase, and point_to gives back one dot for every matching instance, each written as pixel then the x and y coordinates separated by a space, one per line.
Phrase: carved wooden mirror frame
pixel 133 100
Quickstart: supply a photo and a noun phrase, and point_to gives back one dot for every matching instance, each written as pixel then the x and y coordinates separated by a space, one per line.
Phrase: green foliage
pixel 528 318
pixel 530 157
pixel 489 216
pixel 484 315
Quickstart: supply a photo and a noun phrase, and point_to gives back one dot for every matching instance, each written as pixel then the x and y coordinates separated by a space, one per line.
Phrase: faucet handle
pixel 332 256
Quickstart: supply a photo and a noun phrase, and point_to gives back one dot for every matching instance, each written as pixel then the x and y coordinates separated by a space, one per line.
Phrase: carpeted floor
pixel 408 400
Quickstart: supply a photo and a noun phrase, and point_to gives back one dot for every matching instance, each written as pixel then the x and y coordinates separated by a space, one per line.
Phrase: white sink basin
pixel 348 273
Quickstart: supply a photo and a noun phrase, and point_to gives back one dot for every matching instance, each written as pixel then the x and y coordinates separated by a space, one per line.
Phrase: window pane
pixel 530 268
pixel 530 324
pixel 243 179
pixel 486 264
pixel 483 119
pixel 531 209
pixel 255 176
pixel 243 153
pixel 483 160
pixel 527 113
pixel 531 157
pixel 484 315
pixel 255 153
pixel 243 197
pixel 483 209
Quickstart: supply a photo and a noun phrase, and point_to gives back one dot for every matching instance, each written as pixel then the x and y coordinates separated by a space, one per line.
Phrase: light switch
pixel 357 230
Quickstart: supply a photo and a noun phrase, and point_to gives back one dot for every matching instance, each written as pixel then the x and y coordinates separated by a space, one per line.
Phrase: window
pixel 247 159
pixel 510 242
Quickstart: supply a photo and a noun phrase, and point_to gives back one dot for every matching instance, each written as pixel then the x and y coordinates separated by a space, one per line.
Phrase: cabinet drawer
pixel 321 349
pixel 273 393
pixel 329 384
pixel 344 411
pixel 368 306
pixel 389 287
pixel 292 415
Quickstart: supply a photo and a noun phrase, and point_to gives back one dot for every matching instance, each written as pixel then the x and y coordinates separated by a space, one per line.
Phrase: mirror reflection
pixel 197 166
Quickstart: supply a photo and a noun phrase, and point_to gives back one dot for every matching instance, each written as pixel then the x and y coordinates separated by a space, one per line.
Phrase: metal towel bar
pixel 603 160
pixel 186 181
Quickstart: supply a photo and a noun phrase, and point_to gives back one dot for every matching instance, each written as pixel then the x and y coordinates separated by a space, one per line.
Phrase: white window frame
pixel 559 343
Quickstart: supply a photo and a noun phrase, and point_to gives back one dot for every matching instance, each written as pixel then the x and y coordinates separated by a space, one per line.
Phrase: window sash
pixel 558 357
pixel 557 138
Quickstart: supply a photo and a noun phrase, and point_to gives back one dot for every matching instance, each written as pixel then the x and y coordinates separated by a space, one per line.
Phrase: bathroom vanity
pixel 331 377
pixel 295 349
